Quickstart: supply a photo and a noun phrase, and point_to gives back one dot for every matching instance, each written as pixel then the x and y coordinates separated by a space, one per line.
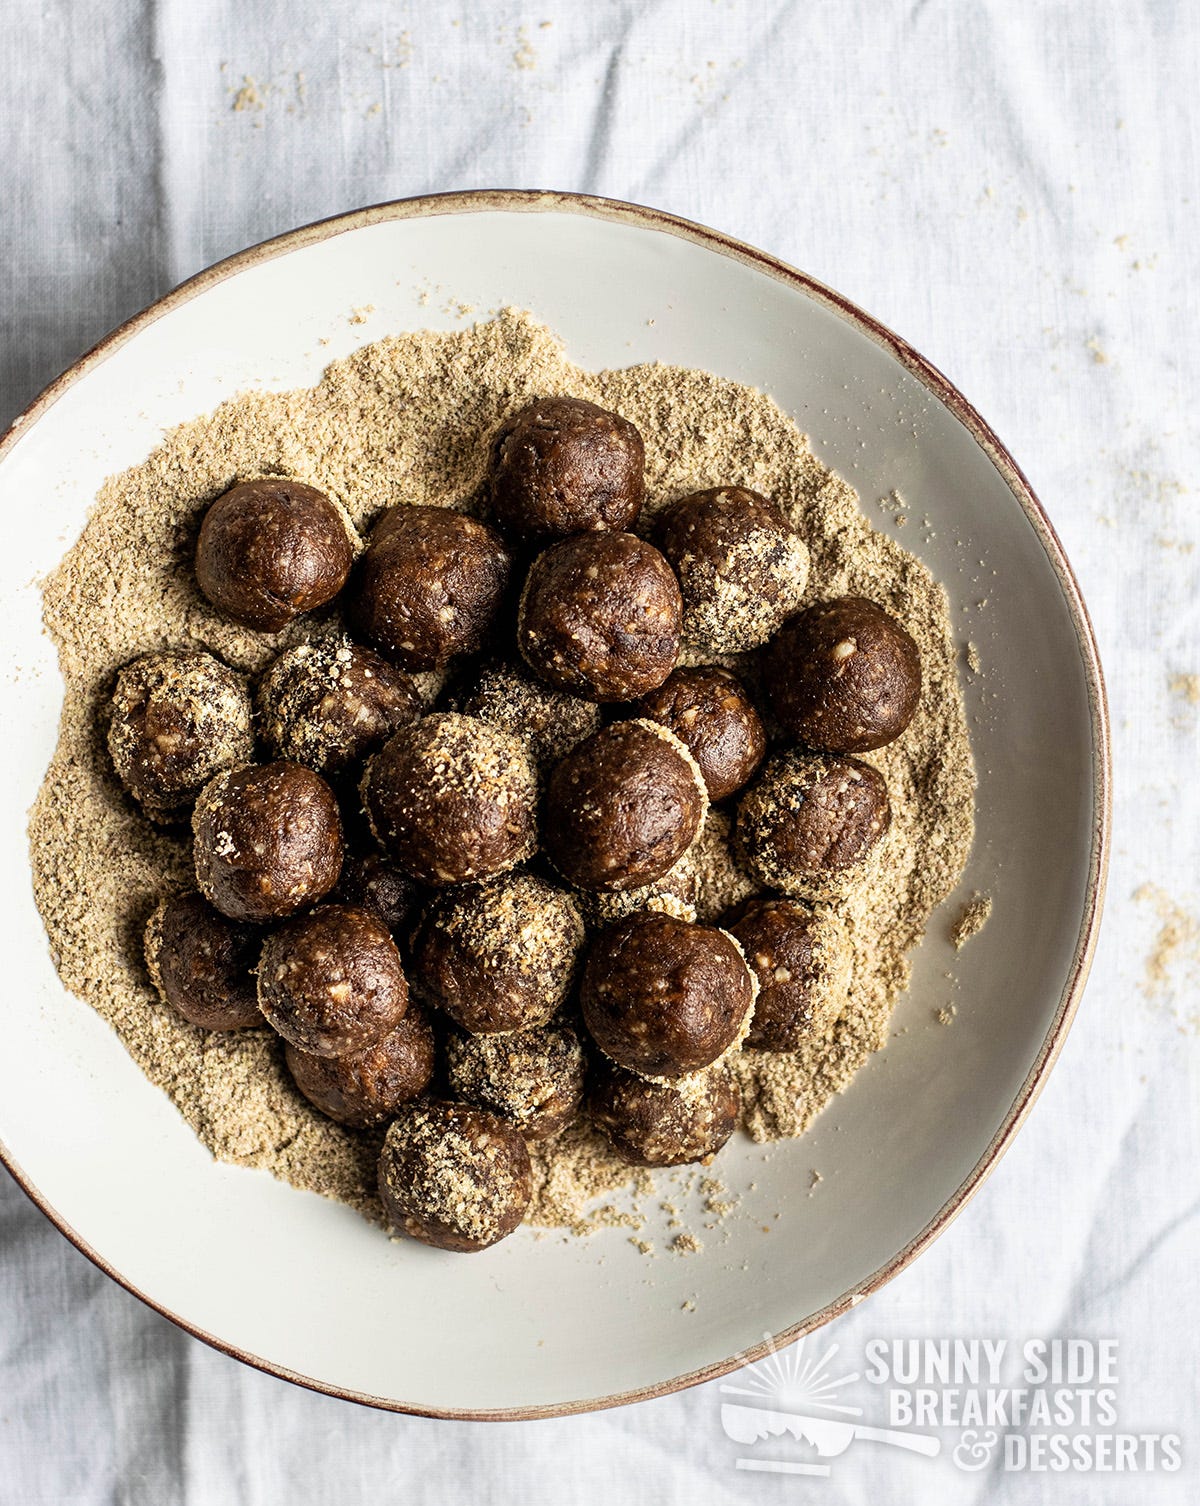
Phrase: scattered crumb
pixel 814 1177
pixel 945 1015
pixel 249 96
pixel 974 664
pixel 1099 355
pixel 361 314
pixel 687 1306
pixel 715 1200
pixel 1178 935
pixel 525 56
pixel 971 921
pixel 686 1244
pixel 1187 687
pixel 643 1246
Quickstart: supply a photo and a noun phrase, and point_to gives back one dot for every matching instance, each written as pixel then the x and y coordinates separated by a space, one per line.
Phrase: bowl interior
pixel 303 1285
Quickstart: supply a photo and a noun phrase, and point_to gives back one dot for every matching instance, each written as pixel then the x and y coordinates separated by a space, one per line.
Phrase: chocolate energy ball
pixel 499 956
pixel 665 1123
pixel 810 821
pixel 428 587
pixel 742 568
pixel 801 958
pixel 202 964
pixel 708 711
pixel 532 1078
pixel 844 676
pixel 368 1086
pixel 332 982
pixel 551 722
pixel 600 616
pixel 272 549
pixel 177 718
pixel 623 807
pixel 663 998
pixel 267 840
pixel 453 1176
pixel 329 703
pixel 563 465
pixel 369 882
pixel 452 799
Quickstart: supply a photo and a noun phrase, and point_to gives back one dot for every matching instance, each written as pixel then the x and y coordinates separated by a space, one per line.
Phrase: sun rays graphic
pixel 795 1379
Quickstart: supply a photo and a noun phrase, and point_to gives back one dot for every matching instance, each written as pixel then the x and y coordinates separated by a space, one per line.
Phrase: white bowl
pixel 304 1288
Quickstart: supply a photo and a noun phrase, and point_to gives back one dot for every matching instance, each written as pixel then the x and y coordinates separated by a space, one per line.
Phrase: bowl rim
pixel 538 201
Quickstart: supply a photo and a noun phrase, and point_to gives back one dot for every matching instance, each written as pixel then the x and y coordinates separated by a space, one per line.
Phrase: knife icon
pixel 827 1435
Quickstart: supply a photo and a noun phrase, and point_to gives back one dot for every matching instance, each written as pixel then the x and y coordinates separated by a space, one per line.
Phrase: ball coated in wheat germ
pixel 202 963
pixel 272 549
pixel 664 998
pixel 176 719
pixel 623 807
pixel 454 1177
pixel 367 1086
pixel 844 676
pixel 332 982
pixel 429 586
pixel 267 840
pixel 600 616
pixel 452 799
pixel 563 465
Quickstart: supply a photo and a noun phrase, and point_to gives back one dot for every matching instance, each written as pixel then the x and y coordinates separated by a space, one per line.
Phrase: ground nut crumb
pixel 971 920
pixel 410 418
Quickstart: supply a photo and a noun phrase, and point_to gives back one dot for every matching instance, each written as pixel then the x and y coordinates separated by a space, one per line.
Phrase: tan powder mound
pixel 408 420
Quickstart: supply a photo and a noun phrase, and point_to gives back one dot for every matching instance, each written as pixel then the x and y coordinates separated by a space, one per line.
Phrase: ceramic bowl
pixel 550 1325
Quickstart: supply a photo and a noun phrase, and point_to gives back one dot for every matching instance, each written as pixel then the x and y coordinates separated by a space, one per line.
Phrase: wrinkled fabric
pixel 1013 187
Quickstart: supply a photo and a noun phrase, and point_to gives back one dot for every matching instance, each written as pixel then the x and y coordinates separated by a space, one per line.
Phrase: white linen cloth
pixel 1012 186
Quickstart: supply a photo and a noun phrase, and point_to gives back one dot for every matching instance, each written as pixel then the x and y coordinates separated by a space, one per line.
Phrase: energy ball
pixel 534 1079
pixel 563 465
pixel 600 616
pixel 742 568
pixel 451 799
pixel 500 956
pixel 329 703
pixel 202 964
pixel 332 982
pixel 844 676
pixel 272 549
pixel 665 1123
pixel 801 958
pixel 810 821
pixel 428 587
pixel 177 718
pixel 623 807
pixel 453 1176
pixel 267 840
pixel 368 1086
pixel 709 712
pixel 663 998
pixel 369 882
pixel 551 722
